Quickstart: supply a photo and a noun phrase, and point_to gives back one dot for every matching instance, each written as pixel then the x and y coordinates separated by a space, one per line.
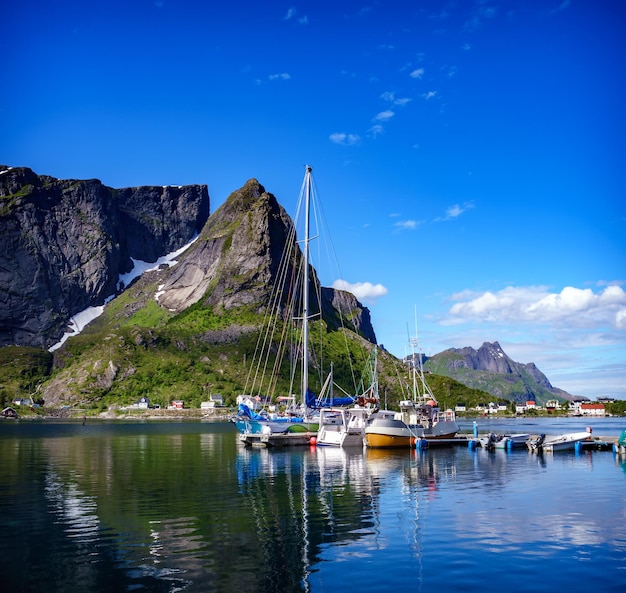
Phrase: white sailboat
pixel 299 424
pixel 422 414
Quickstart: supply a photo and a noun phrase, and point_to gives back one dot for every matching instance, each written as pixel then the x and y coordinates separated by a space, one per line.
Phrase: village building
pixel 215 401
pixel 592 409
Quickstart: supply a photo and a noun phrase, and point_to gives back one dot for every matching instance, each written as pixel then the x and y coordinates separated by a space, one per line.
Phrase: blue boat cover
pixel 246 412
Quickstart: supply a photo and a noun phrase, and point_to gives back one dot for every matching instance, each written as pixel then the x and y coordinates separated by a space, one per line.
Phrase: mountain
pixel 175 331
pixel 235 262
pixel 64 244
pixel 491 370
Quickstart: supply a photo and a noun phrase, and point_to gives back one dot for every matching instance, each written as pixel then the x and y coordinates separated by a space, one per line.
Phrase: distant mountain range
pixel 64 244
pixel 490 369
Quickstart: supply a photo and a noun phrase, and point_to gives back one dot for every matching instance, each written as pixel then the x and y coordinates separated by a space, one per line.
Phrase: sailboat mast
pixel 305 287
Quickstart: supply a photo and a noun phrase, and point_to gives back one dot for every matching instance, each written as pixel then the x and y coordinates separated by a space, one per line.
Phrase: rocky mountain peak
pixel 236 262
pixel 64 244
pixel 489 368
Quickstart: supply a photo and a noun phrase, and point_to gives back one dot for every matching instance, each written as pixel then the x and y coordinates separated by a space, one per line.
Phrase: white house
pixel 215 401
pixel 254 403
pixel 592 409
pixel 23 401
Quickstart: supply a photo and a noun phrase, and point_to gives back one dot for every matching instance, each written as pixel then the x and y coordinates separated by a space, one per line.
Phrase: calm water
pixel 183 507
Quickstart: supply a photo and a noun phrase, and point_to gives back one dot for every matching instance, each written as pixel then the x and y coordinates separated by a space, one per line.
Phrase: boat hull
pixel 246 426
pixel 494 441
pixel 377 440
pixel 383 431
pixel 339 439
pixel 441 430
pixel 341 428
pixel 565 442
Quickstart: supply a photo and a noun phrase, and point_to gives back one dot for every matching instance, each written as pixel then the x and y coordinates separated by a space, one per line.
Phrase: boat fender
pixel 313 440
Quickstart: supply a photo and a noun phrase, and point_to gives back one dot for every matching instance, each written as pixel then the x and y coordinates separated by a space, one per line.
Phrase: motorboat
pixel 563 442
pixel 383 430
pixel 503 441
pixel 342 427
pixel 426 420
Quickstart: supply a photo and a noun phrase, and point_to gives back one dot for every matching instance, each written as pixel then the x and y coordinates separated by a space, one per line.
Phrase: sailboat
pixel 345 426
pixel 299 423
pixel 422 414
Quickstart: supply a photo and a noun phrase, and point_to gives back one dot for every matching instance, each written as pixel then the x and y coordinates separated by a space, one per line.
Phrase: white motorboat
pixel 563 442
pixel 504 441
pixel 342 427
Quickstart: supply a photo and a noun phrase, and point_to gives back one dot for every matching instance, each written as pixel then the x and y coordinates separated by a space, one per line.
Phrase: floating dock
pixel 305 439
pixel 286 439
pixel 454 441
pixel 597 444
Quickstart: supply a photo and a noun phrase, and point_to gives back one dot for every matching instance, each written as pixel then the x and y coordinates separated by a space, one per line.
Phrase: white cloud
pixel 345 139
pixel 455 211
pixel 417 73
pixel 291 12
pixel 366 292
pixel 407 224
pixel 376 130
pixel 570 308
pixel 429 95
pixel 282 76
pixel 391 97
pixel 576 336
pixel 384 115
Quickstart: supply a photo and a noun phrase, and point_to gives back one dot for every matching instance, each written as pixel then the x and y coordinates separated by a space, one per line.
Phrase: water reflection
pixel 185 508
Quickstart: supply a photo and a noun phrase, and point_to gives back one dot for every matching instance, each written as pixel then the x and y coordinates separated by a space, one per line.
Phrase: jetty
pixel 286 439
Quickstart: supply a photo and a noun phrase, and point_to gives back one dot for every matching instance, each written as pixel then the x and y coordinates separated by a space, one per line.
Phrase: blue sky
pixel 469 154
